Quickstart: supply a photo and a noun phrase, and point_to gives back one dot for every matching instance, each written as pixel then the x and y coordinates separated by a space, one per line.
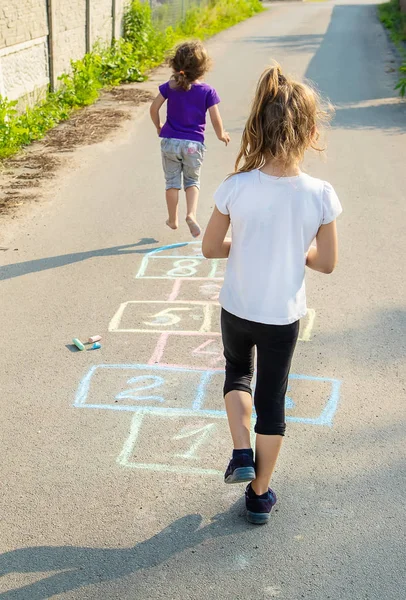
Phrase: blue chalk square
pixel 311 400
pixel 137 387
pixel 179 261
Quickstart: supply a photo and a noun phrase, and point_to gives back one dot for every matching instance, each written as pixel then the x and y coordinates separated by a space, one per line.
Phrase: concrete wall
pixel 101 21
pixel 68 33
pixel 23 47
pixel 39 38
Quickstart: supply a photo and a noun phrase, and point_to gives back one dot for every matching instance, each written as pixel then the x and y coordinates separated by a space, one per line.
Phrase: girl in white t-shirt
pixel 275 211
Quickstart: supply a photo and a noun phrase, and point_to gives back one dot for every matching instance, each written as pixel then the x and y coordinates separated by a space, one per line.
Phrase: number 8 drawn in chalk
pixel 184 268
pixel 132 393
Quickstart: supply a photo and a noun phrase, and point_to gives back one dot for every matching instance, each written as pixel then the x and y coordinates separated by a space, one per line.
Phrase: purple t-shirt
pixel 186 113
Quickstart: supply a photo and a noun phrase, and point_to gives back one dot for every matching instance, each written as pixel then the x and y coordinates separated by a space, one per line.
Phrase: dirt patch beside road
pixel 22 177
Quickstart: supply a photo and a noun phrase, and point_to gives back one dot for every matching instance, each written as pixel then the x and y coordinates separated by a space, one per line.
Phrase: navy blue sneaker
pixel 241 468
pixel 259 507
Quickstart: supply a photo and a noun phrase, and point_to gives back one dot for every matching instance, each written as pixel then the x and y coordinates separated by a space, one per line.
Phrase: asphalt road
pixel 112 475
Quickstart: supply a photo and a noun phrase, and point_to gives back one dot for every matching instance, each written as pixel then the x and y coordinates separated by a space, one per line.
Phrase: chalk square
pixel 196 351
pixel 162 316
pixel 195 445
pixel 309 400
pixel 179 261
pixel 167 267
pixel 207 290
pixel 144 388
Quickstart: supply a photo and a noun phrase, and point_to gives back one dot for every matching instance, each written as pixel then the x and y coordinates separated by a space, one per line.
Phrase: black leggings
pixel 275 346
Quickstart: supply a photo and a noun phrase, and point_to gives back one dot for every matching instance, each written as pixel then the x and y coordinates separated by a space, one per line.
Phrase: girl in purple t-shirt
pixel 182 134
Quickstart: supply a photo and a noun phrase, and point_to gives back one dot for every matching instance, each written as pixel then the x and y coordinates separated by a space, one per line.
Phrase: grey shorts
pixel 181 156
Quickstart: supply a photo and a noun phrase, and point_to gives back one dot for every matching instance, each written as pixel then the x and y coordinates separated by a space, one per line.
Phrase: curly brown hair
pixel 284 122
pixel 189 63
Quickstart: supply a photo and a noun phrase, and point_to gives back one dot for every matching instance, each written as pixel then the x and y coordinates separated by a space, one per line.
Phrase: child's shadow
pixel 83 566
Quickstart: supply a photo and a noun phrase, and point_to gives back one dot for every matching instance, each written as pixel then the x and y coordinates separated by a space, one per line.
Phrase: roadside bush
pixel 395 20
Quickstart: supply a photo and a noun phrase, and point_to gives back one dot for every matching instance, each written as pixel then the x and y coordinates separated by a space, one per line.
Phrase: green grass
pixel 394 20
pixel 144 45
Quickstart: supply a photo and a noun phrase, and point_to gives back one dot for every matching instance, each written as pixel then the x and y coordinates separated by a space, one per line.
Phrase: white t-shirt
pixel 274 221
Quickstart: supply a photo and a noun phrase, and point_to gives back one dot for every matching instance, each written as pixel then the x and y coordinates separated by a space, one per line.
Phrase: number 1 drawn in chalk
pixel 203 431
pixel 132 393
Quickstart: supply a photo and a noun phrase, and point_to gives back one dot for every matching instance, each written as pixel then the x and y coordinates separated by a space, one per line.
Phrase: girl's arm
pixel 154 112
pixel 323 257
pixel 215 244
pixel 217 123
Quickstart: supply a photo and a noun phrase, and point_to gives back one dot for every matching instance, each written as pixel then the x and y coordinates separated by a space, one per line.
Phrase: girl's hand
pixel 225 138
pixel 154 112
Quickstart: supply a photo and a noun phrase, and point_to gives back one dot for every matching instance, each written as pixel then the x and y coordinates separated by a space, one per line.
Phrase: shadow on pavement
pixel 83 566
pixel 352 73
pixel 379 339
pixel 287 43
pixel 388 116
pixel 53 262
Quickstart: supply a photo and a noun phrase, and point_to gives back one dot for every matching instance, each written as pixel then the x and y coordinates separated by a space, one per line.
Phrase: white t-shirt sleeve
pixel 224 195
pixel 331 204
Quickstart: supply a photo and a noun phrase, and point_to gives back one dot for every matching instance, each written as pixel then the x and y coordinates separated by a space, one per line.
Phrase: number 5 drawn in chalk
pixel 132 393
pixel 166 317
pixel 203 431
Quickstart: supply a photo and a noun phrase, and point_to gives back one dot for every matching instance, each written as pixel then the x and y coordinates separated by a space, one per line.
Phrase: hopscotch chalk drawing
pixel 153 389
pixel 163 316
pixel 180 406
pixel 186 262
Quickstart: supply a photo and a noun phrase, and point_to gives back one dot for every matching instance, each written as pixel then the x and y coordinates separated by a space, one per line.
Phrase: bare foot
pixel 171 225
pixel 194 227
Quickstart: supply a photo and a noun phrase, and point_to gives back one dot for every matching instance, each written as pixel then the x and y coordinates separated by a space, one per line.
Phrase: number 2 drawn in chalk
pixel 184 268
pixel 166 318
pixel 201 432
pixel 132 393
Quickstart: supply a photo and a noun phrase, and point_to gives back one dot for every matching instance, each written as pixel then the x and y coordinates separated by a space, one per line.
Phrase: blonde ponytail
pixel 284 116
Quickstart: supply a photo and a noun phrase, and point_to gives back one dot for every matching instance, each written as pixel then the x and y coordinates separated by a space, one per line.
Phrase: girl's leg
pixel 192 198
pixel 239 354
pixel 275 347
pixel 239 413
pixel 172 165
pixel 172 199
pixel 192 162
pixel 267 449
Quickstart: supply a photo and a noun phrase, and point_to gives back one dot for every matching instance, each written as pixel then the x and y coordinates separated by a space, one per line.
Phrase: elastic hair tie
pixel 181 72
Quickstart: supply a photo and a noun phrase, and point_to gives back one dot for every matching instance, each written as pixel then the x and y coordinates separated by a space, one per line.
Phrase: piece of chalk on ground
pixel 78 344
pixel 96 346
pixel 94 338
